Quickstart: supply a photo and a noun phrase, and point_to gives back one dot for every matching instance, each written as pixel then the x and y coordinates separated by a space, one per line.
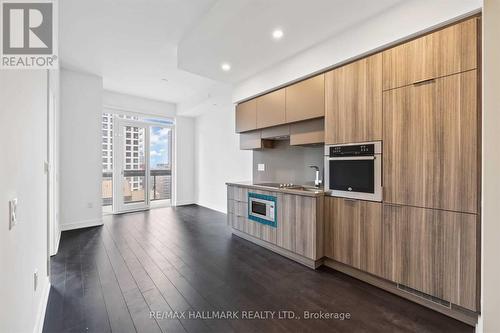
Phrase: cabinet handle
pixel 426 81
pixel 350 200
pixel 393 205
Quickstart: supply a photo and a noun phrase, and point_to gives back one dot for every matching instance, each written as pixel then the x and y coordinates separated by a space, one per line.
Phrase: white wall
pixel 80 150
pixel 490 320
pixel 23 137
pixel 406 19
pixel 218 158
pixel 184 183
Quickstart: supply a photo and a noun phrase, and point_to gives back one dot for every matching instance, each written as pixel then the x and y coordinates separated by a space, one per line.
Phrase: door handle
pixel 426 81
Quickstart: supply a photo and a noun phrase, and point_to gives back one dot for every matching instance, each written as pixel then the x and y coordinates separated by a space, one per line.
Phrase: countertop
pixel 316 193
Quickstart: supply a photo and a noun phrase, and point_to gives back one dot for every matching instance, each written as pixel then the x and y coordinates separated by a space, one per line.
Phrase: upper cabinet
pixel 306 99
pixel 354 102
pixel 431 144
pixel 271 109
pixel 246 116
pixel 445 52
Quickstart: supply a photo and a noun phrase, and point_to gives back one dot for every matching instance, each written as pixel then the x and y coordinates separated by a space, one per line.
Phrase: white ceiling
pixel 239 32
pixel 134 44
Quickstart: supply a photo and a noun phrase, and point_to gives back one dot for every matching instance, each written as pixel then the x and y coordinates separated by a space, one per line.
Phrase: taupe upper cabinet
pixel 447 51
pixel 246 116
pixel 435 252
pixel 271 109
pixel 306 99
pixel 430 144
pixel 355 235
pixel 354 102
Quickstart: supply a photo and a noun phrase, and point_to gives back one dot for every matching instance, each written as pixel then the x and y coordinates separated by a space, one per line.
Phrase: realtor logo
pixel 28 32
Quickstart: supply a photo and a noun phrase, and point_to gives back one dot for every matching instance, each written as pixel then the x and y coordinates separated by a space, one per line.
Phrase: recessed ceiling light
pixel 164 80
pixel 277 34
pixel 225 67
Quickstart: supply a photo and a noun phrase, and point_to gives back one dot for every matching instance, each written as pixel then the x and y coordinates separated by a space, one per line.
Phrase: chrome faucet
pixel 317 181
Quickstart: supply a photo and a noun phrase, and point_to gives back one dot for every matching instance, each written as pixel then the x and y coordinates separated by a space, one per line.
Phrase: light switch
pixel 261 167
pixel 12 213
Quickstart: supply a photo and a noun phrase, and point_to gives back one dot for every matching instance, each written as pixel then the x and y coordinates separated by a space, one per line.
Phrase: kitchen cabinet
pixel 271 109
pixel 300 225
pixel 299 229
pixel 356 236
pixel 306 99
pixel 246 116
pixel 307 132
pixel 431 144
pixel 354 102
pixel 252 140
pixel 436 252
pixel 441 53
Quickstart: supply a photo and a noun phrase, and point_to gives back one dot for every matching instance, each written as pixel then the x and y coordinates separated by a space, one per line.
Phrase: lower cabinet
pixel 355 235
pixel 300 221
pixel 435 252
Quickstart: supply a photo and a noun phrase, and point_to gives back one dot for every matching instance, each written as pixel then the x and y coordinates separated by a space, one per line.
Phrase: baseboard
pixel 185 203
pixel 218 209
pixel 81 224
pixel 40 318
pixel 57 243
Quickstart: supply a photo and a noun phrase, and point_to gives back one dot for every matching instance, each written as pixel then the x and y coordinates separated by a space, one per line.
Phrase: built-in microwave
pixel 262 208
pixel 354 170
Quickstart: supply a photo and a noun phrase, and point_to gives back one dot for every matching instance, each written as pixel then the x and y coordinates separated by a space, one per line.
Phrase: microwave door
pixel 259 208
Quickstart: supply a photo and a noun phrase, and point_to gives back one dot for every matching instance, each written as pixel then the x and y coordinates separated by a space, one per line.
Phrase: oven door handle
pixel 356 158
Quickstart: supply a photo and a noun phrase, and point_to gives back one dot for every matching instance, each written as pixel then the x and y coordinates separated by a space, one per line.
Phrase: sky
pixel 159 146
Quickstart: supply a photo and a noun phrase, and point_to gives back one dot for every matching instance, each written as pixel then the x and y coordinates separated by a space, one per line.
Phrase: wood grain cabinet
pixel 430 144
pixel 246 116
pixel 306 99
pixel 271 109
pixel 355 235
pixel 307 132
pixel 435 252
pixel 354 102
pixel 445 52
pixel 299 226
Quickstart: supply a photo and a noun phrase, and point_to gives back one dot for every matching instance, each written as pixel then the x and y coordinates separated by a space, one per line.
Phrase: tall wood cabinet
pixel 435 252
pixel 354 102
pixel 448 51
pixel 430 144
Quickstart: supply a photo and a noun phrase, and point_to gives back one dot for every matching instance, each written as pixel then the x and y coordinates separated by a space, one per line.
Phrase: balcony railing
pixel 160 184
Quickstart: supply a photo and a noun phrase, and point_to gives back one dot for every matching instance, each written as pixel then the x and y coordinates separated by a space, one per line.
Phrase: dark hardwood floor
pixel 110 279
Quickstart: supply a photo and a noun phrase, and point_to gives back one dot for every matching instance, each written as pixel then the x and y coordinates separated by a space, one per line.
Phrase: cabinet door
pixel 447 51
pixel 354 102
pixel 435 252
pixel 306 99
pixel 307 132
pixel 430 144
pixel 246 116
pixel 271 109
pixel 355 235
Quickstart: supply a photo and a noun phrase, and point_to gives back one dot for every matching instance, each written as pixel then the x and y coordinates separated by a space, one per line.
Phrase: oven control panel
pixel 354 150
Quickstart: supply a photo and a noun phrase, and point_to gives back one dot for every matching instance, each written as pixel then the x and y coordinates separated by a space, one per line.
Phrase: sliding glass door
pixel 142 170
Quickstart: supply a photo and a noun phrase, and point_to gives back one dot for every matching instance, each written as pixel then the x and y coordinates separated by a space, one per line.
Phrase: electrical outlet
pixel 12 213
pixel 261 167
pixel 35 280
